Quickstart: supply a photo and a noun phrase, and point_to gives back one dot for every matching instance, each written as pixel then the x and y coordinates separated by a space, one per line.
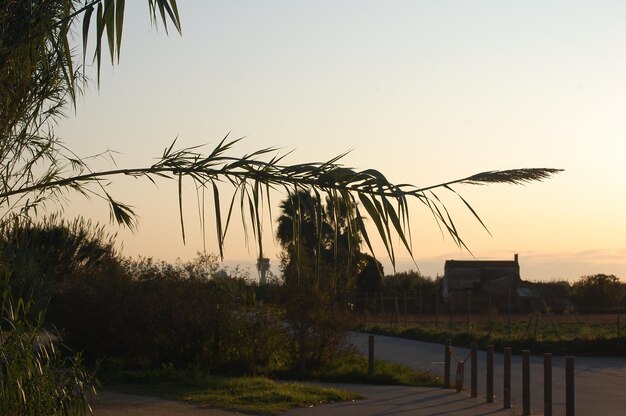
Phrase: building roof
pixel 485 274
pixel 480 263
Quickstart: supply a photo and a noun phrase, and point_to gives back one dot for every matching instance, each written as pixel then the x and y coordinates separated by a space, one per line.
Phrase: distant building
pixel 482 277
pixel 478 283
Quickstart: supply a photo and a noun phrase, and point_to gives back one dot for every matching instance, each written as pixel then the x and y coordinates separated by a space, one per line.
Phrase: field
pixel 561 334
pixel 538 326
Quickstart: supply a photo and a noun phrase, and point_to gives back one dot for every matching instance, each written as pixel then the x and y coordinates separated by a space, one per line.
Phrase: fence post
pixel 490 316
pixel 436 312
pixel 474 369
pixel 526 382
pixel 547 384
pixel 489 373
pixel 451 311
pixel 507 378
pixel 370 367
pixel 469 307
pixel 446 370
pixel 405 311
pixel 508 319
pixel 569 386
pixel 619 313
pixel 420 310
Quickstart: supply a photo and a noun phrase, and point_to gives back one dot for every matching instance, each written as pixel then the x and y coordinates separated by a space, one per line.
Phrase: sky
pixel 423 91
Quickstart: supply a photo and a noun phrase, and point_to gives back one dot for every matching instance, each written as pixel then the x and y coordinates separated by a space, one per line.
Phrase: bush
pixel 149 313
pixel 598 291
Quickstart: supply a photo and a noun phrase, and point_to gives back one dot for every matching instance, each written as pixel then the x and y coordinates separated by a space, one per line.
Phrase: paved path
pixel 379 400
pixel 600 383
pixel 403 401
pixel 108 403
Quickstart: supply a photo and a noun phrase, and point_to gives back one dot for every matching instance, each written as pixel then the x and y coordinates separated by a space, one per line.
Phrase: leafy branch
pixel 254 175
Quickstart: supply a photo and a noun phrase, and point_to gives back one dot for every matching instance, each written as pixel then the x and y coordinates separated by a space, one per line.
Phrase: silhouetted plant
pixel 38 375
pixel 599 291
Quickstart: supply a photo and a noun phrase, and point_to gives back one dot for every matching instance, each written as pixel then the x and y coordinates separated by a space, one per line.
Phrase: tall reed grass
pixel 38 375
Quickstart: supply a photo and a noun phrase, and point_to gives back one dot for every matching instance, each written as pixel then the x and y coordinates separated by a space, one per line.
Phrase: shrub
pixel 149 313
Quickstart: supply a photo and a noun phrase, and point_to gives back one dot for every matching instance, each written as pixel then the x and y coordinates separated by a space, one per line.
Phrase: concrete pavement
pixel 600 382
pixel 378 401
pixel 401 401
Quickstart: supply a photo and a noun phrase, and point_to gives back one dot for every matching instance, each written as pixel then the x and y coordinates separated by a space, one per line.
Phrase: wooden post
pixel 526 382
pixel 436 312
pixel 370 367
pixel 469 304
pixel 446 370
pixel 507 378
pixel 508 320
pixel 569 386
pixel 490 317
pixel 489 373
pixel 547 384
pixel 405 311
pixel 474 369
pixel 619 313
pixel 420 313
pixel 451 310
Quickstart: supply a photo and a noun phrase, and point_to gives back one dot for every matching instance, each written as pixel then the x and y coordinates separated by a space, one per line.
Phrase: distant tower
pixel 263 265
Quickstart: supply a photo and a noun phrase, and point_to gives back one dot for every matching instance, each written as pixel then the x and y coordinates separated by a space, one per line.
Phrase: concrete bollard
pixel 507 378
pixel 489 373
pixel 569 386
pixel 446 370
pixel 526 382
pixel 474 369
pixel 547 384
pixel 370 367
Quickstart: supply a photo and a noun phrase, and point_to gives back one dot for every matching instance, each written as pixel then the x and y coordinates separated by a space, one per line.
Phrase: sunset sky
pixel 424 91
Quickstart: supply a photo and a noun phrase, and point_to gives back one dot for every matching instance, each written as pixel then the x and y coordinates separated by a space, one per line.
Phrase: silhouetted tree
pixel 598 291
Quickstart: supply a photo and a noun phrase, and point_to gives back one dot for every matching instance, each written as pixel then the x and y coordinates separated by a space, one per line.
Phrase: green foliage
pixel 598 291
pixel 353 368
pixel 39 79
pixel 45 254
pixel 370 277
pixel 151 313
pixel 37 376
pixel 320 241
pixel 317 328
pixel 410 282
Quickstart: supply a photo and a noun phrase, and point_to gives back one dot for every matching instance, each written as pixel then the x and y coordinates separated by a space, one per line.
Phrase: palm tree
pixel 319 238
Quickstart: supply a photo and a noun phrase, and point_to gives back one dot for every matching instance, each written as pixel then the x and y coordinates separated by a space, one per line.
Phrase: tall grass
pixel 36 377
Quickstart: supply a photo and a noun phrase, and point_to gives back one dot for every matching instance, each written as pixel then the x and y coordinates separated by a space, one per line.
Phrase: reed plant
pixel 38 375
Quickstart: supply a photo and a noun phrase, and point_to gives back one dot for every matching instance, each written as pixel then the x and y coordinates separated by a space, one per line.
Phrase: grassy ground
pixel 593 337
pixel 261 395
pixel 258 395
pixel 354 369
pixel 542 327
